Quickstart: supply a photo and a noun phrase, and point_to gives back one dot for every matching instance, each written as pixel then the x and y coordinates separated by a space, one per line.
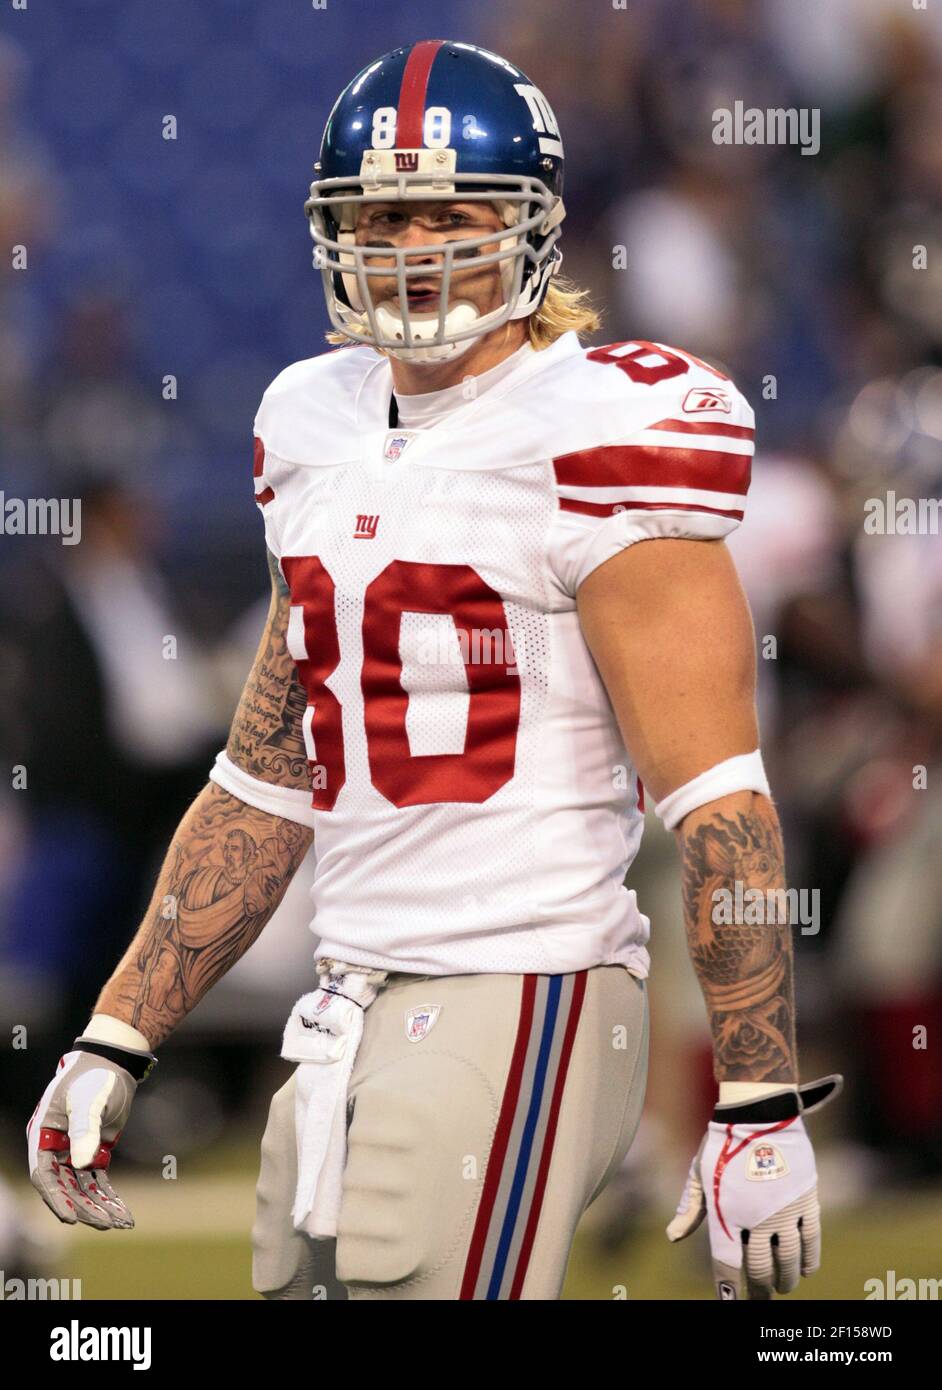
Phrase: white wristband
pixel 104 1028
pixel 739 1092
pixel 742 773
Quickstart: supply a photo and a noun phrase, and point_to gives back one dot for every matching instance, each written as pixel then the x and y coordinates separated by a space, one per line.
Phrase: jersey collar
pixel 375 395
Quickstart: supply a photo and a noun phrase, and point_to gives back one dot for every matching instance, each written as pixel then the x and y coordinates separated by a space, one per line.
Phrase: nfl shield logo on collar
pixel 395 445
pixel 421 1020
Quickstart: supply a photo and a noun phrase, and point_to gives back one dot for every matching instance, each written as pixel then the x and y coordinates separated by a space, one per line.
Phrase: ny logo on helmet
pixel 407 161
pixel 544 122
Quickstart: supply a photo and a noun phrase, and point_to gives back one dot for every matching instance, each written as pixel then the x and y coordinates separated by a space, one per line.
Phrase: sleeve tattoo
pixel 229 864
pixel 225 873
pixel 745 969
pixel 266 739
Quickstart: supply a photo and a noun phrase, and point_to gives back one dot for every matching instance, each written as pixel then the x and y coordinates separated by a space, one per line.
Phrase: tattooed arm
pixel 669 628
pixel 266 738
pixel 229 864
pixel 745 970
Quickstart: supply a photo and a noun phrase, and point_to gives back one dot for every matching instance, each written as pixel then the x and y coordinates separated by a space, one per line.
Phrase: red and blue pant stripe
pixel 518 1167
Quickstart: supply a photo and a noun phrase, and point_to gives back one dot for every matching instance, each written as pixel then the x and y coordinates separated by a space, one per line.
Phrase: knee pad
pixel 417 1149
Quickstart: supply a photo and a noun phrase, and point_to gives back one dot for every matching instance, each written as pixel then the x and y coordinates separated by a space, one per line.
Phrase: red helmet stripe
pixel 411 111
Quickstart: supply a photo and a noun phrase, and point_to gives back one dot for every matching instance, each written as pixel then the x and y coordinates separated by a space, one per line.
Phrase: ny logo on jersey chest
pixel 366 526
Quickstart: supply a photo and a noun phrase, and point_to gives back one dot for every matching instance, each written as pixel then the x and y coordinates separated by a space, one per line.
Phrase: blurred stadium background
pixel 189 257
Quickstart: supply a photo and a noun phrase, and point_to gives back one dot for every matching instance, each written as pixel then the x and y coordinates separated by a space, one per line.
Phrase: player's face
pixel 433 223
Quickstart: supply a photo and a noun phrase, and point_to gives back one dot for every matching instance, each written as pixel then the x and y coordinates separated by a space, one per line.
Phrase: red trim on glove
pixel 726 1154
pixel 103 1156
pixel 55 1139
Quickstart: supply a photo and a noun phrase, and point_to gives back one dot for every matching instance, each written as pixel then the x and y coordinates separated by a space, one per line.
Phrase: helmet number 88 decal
pixel 436 127
pixel 486 762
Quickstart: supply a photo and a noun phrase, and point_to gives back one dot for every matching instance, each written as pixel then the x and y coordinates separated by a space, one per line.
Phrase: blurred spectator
pixel 112 717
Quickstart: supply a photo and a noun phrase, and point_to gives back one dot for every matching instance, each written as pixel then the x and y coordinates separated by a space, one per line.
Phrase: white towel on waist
pixel 322 1035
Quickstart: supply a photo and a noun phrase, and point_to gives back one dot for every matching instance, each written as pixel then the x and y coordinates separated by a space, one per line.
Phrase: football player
pixel 502 609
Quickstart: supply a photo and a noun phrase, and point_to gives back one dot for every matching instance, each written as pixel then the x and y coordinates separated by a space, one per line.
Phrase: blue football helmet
pixel 436 121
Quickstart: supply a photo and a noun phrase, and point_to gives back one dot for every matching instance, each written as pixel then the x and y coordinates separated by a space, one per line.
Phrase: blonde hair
pixel 565 308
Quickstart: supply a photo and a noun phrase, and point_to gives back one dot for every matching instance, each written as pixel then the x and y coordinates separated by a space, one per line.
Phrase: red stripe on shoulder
pixel 654 465
pixel 567 504
pixel 705 427
pixel 266 494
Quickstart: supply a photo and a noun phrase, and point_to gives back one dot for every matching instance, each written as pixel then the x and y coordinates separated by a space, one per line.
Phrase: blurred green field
pixel 902 1233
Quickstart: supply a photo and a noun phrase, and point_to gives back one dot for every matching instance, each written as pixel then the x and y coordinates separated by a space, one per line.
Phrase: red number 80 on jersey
pixel 487 761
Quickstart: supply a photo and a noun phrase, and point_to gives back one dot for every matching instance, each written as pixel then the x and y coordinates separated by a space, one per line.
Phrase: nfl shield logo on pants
pixel 421 1020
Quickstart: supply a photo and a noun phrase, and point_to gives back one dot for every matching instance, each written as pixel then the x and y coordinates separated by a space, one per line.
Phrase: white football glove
pixel 754 1177
pixel 76 1125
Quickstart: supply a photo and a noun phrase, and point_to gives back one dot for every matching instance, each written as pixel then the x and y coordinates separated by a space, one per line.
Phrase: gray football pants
pixel 471 1152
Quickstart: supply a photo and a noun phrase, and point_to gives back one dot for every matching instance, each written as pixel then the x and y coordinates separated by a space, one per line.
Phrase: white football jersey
pixel 473 803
